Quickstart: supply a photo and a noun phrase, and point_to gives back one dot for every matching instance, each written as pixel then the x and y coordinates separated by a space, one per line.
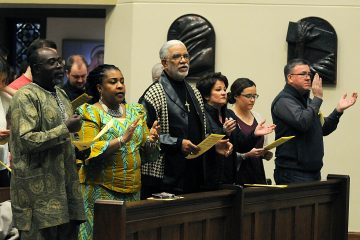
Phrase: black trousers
pixel 5 176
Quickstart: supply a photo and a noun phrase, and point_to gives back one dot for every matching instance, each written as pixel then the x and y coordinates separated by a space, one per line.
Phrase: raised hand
pixel 130 131
pixel 345 102
pixel 262 129
pixel 316 86
pixel 229 126
pixel 154 132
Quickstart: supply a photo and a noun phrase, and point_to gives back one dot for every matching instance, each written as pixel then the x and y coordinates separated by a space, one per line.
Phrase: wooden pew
pixel 4 194
pixel 317 210
pixel 206 215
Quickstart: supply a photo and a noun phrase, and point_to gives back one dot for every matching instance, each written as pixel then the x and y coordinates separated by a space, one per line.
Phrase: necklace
pixel 60 105
pixel 114 113
pixel 187 105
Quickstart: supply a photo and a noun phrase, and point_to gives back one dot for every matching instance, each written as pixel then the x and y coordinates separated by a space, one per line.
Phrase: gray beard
pixel 179 77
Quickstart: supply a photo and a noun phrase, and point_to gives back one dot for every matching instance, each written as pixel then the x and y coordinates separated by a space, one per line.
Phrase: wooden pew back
pixel 206 215
pixel 4 194
pixel 317 210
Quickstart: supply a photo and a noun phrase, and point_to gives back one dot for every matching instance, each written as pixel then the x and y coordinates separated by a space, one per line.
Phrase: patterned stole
pixel 156 97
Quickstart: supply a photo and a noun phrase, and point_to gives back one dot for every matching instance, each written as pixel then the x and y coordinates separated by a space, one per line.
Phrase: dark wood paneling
pixel 207 215
pixel 312 211
pixel 324 217
pixel 354 236
pixel 284 217
pixel 317 210
pixel 4 194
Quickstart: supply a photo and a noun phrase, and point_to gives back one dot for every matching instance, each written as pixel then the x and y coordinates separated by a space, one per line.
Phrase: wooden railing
pixel 317 210
pixel 4 194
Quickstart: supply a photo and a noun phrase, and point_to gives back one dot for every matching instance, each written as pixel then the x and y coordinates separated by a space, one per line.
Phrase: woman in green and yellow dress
pixel 110 168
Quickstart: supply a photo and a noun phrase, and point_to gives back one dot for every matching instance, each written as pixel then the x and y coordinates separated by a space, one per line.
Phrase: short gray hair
pixel 164 50
pixel 291 64
pixel 156 71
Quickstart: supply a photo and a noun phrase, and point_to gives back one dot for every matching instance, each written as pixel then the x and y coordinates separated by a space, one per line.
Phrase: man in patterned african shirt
pixel 45 192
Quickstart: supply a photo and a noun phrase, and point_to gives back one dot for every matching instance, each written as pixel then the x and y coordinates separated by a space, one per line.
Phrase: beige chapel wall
pixel 250 42
pixel 58 29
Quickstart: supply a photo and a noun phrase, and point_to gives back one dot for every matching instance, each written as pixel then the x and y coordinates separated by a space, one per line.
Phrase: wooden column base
pixel 354 236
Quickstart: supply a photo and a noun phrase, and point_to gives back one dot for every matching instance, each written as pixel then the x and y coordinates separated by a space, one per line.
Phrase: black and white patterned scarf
pixel 156 97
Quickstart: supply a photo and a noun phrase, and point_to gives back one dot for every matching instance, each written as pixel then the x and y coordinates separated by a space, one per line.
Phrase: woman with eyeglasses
pixel 220 169
pixel 243 95
pixel 110 169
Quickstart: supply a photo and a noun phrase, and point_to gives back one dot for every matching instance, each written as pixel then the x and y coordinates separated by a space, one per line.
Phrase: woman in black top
pixel 243 95
pixel 220 169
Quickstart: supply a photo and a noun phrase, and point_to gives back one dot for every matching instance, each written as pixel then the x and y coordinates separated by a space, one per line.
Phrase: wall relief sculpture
pixel 198 35
pixel 315 40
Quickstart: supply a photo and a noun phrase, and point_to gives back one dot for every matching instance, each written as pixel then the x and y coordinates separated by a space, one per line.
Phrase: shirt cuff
pixel 336 113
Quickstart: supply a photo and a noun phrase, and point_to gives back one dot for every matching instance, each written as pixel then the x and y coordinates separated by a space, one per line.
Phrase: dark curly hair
pixel 96 77
pixel 207 83
pixel 237 87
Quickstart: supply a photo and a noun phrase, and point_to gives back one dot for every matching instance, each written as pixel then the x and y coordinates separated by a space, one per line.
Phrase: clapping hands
pixel 262 129
pixel 345 102
pixel 130 131
pixel 229 126
pixel 154 132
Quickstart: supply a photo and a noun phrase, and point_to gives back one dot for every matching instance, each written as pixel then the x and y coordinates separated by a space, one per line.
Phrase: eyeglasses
pixel 250 96
pixel 177 57
pixel 303 75
pixel 52 62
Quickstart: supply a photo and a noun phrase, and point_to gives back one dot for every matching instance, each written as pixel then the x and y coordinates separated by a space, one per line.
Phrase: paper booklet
pixel 82 145
pixel 206 144
pixel 278 142
pixel 4 165
pixel 80 100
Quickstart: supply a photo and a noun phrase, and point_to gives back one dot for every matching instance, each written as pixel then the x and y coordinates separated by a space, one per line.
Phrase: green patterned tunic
pixel 44 185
